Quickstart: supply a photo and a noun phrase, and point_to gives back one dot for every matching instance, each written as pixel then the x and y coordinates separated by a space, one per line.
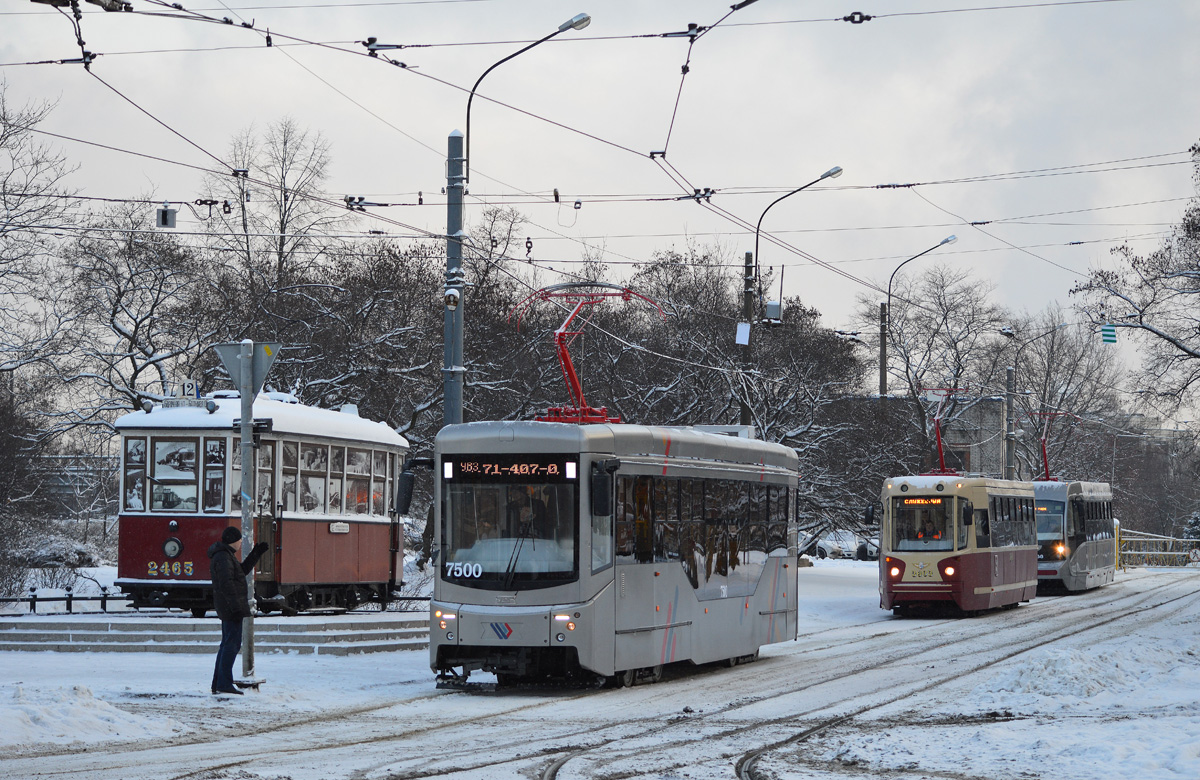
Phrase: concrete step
pixel 340 635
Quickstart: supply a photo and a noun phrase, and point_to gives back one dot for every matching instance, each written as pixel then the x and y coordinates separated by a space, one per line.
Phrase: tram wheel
pixel 622 679
pixel 653 674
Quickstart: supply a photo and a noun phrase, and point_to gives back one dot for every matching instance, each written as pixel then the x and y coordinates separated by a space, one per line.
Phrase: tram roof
pixel 931 481
pixel 287 415
pixel 618 439
pixel 1061 489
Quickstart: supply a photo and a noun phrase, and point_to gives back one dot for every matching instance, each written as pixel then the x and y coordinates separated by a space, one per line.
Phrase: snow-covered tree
pixel 1156 298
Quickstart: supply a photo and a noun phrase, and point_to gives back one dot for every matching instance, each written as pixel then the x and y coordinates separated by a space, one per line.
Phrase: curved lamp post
pixel 457 173
pixel 885 315
pixel 832 173
pixel 577 22
pixel 748 290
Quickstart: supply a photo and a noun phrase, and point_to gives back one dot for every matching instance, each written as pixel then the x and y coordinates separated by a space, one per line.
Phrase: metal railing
pixel 70 598
pixel 1144 549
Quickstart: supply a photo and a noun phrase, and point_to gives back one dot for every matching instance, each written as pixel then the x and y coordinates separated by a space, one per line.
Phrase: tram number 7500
pixel 464 569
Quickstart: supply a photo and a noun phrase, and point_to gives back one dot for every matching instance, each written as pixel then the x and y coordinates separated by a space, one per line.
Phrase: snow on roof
pixel 287 416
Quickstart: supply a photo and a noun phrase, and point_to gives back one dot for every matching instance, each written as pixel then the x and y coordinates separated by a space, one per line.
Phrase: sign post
pixel 247 364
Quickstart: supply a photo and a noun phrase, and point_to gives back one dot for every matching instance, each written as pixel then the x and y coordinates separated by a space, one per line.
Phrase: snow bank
pixel 70 714
pixel 1160 674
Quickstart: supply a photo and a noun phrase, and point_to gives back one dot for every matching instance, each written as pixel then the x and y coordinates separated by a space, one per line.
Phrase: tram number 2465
pixel 464 569
pixel 169 569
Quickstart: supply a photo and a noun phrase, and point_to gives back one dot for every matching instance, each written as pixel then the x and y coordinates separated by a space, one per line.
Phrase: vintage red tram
pixel 323 499
pixel 947 538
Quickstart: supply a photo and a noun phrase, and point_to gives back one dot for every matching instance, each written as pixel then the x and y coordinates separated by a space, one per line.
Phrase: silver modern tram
pixel 1077 535
pixel 606 551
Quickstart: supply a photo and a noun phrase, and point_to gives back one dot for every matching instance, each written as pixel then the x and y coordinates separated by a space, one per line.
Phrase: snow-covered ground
pixel 1095 685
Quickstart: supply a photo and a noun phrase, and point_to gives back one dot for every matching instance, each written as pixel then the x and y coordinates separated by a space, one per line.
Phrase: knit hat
pixel 230 535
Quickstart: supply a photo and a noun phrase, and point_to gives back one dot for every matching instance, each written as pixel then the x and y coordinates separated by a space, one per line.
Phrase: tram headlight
pixel 571 626
pixel 895 571
pixel 949 571
pixel 442 625
pixel 172 547
pixel 561 637
pixel 450 636
pixel 1061 549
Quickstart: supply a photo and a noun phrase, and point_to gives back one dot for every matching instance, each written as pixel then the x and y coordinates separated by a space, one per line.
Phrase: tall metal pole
pixel 883 336
pixel 747 314
pixel 246 392
pixel 1010 429
pixel 452 363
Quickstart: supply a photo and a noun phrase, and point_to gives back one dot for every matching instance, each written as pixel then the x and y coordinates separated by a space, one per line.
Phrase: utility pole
pixel 883 334
pixel 247 364
pixel 1010 431
pixel 747 315
pixel 452 363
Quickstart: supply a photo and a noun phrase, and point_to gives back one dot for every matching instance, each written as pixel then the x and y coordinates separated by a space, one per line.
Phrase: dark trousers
pixel 231 644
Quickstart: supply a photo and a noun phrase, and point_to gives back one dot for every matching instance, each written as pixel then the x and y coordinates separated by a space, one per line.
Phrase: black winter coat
pixel 228 575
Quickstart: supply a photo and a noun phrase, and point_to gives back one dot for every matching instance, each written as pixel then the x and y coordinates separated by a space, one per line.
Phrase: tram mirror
pixel 968 513
pixel 404 491
pixel 601 489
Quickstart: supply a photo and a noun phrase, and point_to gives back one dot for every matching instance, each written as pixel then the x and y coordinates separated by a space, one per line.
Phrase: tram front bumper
pixel 504 638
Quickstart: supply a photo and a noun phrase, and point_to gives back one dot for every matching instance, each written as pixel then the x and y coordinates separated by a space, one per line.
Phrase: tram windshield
pixel 509 525
pixel 1050 520
pixel 922 523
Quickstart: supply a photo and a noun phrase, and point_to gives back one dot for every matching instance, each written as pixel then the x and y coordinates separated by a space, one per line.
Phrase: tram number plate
pixel 169 569
pixel 922 574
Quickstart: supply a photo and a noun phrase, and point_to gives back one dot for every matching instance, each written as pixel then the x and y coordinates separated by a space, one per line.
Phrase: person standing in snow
pixel 232 601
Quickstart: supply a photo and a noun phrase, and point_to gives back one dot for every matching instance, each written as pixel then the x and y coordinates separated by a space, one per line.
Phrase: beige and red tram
pixel 323 500
pixel 952 539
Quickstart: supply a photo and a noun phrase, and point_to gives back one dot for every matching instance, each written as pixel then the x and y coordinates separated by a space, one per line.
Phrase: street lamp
pixel 832 173
pixel 1010 398
pixel 752 264
pixel 457 173
pixel 577 22
pixel 885 315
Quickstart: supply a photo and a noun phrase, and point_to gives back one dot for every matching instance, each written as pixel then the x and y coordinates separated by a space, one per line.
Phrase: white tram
pixel 1077 539
pixel 581 551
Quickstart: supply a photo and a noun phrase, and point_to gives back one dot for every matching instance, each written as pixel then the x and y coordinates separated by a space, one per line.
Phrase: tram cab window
pixel 922 523
pixel 511 535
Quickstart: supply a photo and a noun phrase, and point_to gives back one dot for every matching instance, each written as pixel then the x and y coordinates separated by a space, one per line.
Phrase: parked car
pixel 867 550
pixel 844 541
pixel 821 547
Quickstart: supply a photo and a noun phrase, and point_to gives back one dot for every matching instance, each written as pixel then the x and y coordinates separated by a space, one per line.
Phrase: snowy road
pixel 1105 679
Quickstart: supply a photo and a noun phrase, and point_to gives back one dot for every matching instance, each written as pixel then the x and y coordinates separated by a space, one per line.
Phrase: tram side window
pixel 133 494
pixel 289 468
pixel 265 485
pixel 174 474
pixel 666 520
pixel 314 468
pixel 663 522
pixel 691 512
pixel 358 481
pixel 214 475
pixel 602 541
pixel 983 529
pixel 777 520
pixel 625 521
pixel 337 466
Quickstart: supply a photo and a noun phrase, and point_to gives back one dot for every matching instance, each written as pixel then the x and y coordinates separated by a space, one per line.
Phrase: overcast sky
pixel 1078 115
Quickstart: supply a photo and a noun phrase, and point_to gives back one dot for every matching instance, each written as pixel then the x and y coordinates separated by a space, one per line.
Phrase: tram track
pixel 746 760
pixel 556 746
